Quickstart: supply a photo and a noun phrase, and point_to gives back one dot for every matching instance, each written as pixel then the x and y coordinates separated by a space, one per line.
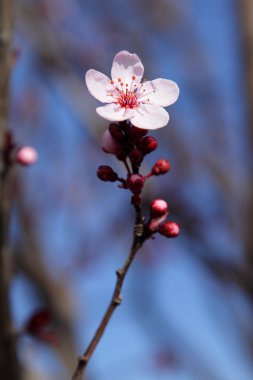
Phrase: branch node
pixel 119 273
pixel 117 300
pixel 81 359
pixel 138 229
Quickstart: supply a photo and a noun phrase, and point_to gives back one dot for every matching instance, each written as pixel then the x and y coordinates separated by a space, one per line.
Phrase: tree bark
pixel 9 368
pixel 247 28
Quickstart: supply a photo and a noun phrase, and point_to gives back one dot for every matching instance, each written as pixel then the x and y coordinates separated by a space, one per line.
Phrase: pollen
pixel 127 100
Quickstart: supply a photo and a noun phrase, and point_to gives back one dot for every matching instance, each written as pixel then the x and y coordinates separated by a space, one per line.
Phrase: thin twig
pixel 127 167
pixel 138 240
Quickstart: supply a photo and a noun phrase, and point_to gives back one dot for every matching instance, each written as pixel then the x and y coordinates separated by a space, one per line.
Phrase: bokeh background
pixel 187 310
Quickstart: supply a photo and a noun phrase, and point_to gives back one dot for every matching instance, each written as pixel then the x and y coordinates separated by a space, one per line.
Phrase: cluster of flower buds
pixel 130 145
pixel 24 156
pixel 159 211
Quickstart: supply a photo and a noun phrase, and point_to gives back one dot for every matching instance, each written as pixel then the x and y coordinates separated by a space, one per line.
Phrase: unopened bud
pixel 158 207
pixel 107 174
pixel 148 144
pixel 155 222
pixel 41 326
pixel 116 132
pixel 169 229
pixel 138 133
pixel 135 183
pixel 136 156
pixel 161 167
pixel 109 145
pixel 26 156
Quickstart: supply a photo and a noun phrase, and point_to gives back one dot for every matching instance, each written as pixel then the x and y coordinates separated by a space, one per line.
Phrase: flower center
pixel 127 99
pixel 125 95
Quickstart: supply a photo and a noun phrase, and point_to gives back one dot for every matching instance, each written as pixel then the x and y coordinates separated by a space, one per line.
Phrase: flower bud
pixel 136 156
pixel 138 133
pixel 158 207
pixel 26 156
pixel 116 132
pixel 161 167
pixel 106 173
pixel 41 326
pixel 156 222
pixel 169 229
pixel 109 145
pixel 135 183
pixel 148 144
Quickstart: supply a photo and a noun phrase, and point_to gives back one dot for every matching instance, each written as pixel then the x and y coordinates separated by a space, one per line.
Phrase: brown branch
pixel 138 240
pixel 9 368
pixel 247 28
pixel 28 258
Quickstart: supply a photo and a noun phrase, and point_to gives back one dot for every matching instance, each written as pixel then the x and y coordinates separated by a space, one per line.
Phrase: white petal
pixel 162 92
pixel 113 112
pixel 126 65
pixel 149 116
pixel 99 86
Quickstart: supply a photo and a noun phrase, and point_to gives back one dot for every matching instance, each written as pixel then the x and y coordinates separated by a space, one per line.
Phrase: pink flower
pixel 128 98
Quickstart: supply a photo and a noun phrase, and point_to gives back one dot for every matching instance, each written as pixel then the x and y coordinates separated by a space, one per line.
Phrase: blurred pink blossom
pixel 26 156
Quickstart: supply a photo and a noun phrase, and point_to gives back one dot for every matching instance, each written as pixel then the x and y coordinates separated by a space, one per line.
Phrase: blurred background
pixel 187 310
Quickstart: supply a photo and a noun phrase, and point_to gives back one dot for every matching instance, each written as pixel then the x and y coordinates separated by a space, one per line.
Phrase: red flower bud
pixel 155 222
pixel 161 167
pixel 105 173
pixel 116 132
pixel 41 326
pixel 138 133
pixel 158 207
pixel 169 229
pixel 135 183
pixel 148 144
pixel 136 156
pixel 110 145
pixel 26 156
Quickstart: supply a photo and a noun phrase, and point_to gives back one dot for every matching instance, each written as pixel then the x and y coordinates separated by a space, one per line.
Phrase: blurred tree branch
pixel 54 293
pixel 9 368
pixel 247 24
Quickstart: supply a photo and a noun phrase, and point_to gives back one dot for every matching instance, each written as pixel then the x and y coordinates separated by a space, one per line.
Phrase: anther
pixel 133 77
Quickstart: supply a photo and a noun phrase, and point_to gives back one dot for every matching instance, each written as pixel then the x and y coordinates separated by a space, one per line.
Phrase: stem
pixel 127 167
pixel 138 240
pixel 9 368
